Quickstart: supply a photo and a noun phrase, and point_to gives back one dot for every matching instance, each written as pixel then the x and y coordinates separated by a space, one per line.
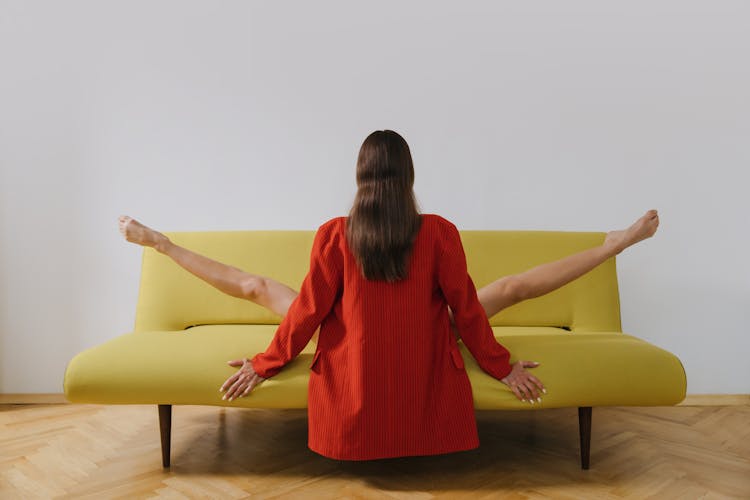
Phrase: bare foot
pixel 643 228
pixel 137 233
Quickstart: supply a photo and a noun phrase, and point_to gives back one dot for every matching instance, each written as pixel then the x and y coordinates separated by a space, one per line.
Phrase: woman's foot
pixel 137 233
pixel 643 228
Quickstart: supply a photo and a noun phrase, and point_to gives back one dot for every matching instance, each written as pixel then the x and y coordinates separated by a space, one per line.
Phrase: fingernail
pixel 544 391
pixel 531 401
pixel 523 401
pixel 224 397
pixel 539 400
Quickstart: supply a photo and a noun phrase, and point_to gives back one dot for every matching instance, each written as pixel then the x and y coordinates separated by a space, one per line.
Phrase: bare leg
pixel 546 278
pixel 495 297
pixel 266 292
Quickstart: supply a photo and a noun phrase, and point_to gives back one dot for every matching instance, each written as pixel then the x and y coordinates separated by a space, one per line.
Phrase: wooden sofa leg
pixel 584 428
pixel 165 428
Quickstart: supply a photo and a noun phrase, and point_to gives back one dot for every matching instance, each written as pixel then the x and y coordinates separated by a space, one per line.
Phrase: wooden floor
pixel 113 451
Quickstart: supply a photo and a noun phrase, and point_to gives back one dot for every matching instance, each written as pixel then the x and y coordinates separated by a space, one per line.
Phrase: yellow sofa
pixel 186 331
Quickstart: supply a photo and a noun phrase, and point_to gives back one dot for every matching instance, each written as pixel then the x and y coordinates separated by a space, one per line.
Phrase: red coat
pixel 387 379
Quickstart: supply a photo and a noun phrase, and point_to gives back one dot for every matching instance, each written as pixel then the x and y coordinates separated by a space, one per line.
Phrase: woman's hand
pixel 524 385
pixel 241 383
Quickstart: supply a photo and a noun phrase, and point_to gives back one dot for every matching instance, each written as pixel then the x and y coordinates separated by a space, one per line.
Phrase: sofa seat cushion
pixel 591 369
pixel 515 331
pixel 189 366
pixel 182 367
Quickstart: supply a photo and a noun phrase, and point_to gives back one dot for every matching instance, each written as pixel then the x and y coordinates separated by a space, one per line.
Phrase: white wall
pixel 245 115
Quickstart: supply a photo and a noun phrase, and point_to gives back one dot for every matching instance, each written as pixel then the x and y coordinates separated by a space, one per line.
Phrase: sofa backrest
pixel 588 304
pixel 172 299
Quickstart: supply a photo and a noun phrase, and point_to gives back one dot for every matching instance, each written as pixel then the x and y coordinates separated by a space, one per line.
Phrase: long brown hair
pixel 384 220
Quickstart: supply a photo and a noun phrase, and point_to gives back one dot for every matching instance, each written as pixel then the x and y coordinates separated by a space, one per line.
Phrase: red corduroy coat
pixel 387 378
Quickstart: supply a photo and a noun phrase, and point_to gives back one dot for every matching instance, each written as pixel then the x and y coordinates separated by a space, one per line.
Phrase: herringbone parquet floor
pixel 73 451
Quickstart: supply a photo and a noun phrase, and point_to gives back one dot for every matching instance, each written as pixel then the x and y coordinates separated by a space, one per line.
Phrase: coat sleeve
pixel 468 313
pixel 316 298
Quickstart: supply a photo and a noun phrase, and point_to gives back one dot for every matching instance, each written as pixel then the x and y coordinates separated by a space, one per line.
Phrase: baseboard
pixel 716 400
pixel 32 398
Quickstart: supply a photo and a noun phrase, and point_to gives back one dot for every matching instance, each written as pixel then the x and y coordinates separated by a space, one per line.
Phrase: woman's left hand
pixel 241 383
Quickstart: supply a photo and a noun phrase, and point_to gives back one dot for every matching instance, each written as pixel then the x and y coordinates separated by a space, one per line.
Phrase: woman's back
pixel 387 377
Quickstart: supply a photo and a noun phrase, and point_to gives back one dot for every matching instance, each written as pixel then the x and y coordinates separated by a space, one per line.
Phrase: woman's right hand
pixel 524 385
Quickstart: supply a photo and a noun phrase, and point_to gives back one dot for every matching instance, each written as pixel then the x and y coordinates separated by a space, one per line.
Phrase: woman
pixel 386 379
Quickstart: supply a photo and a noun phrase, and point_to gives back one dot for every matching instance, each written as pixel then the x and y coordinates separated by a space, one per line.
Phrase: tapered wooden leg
pixel 584 427
pixel 165 427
